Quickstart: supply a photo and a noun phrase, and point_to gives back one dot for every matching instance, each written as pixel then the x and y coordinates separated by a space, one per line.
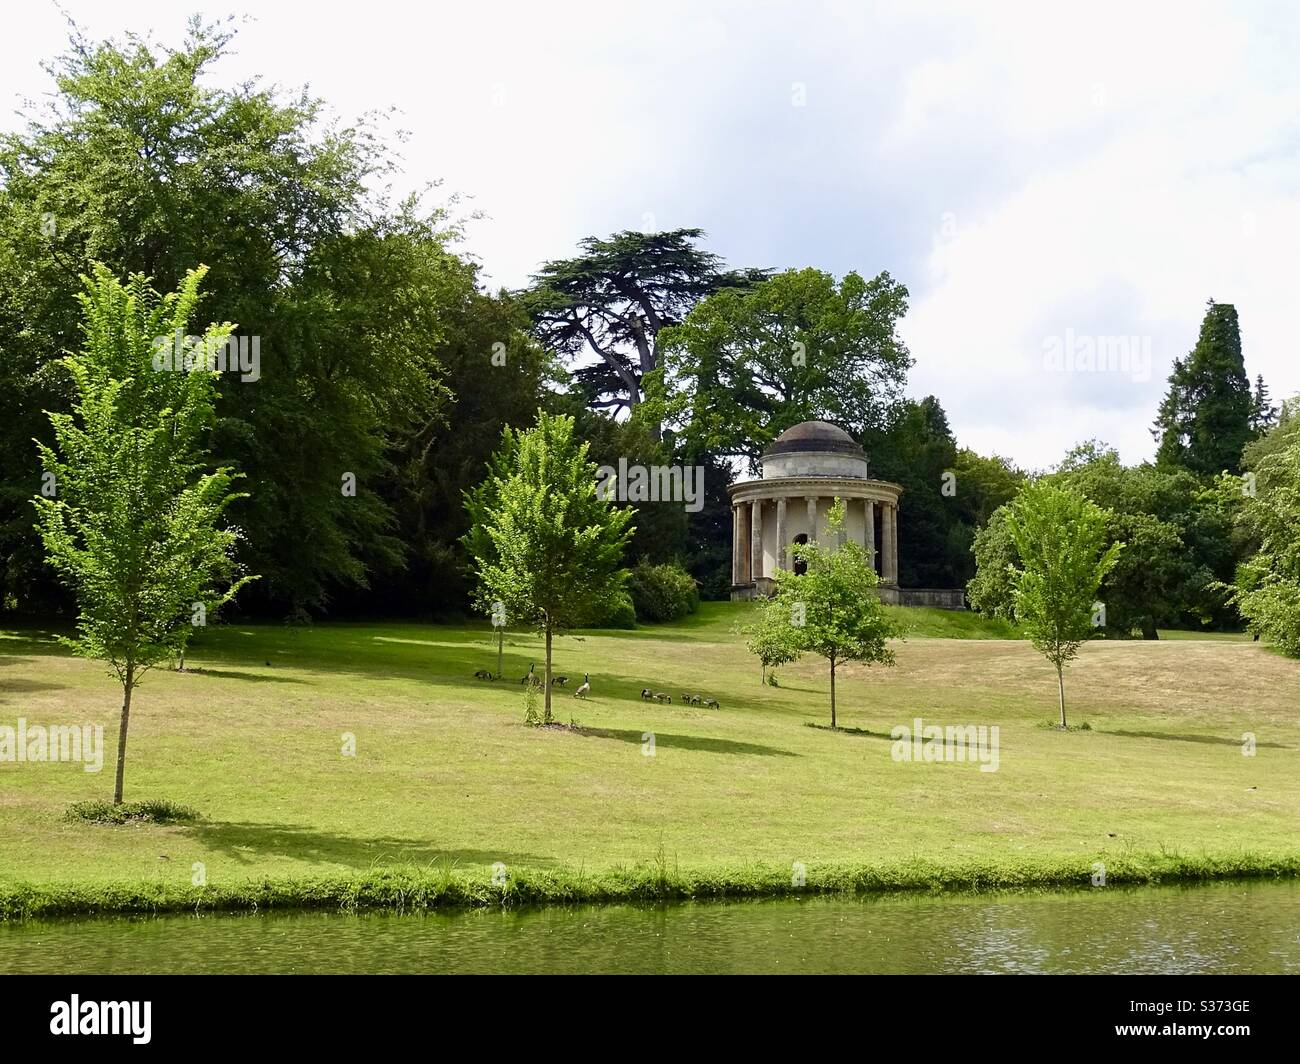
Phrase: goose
pixel 581 692
pixel 482 674
pixel 695 700
pixel 661 697
pixel 646 693
pixel 686 699
pixel 561 680
pixel 712 703
pixel 529 675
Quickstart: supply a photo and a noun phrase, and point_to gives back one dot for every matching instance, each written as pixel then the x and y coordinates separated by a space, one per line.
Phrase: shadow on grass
pixel 685 742
pixel 861 732
pixel 10 686
pixel 252 842
pixel 1214 740
pixel 229 674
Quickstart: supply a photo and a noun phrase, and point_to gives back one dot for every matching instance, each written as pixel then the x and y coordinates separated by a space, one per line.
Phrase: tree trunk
pixel 1149 629
pixel 1060 686
pixel 546 717
pixel 127 685
pixel 833 693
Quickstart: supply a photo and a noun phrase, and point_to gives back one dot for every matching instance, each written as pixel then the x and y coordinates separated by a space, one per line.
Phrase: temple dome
pixel 814 449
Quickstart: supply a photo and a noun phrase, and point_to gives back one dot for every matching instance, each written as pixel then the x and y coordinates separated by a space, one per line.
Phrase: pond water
pixel 1215 928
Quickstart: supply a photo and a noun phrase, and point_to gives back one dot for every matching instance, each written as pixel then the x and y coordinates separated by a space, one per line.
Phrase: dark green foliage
pixel 434 464
pixel 664 592
pixel 948 493
pixel 1205 418
pixel 139 162
pixel 1264 412
pixel 612 300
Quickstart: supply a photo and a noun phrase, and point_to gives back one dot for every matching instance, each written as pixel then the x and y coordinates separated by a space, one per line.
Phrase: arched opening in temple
pixel 800 566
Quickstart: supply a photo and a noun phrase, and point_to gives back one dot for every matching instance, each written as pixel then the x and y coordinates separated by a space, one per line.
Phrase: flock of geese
pixel 585 688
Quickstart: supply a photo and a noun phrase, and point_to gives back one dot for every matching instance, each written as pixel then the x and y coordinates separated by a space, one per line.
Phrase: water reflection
pixel 1224 927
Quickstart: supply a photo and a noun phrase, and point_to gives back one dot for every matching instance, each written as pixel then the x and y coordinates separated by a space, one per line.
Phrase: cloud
pixel 1032 172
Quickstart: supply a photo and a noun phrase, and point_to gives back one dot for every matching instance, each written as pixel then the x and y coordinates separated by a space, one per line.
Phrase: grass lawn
pixel 446 775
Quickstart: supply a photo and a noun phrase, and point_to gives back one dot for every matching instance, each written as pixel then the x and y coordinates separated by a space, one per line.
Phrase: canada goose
pixel 482 674
pixel 661 697
pixel 696 700
pixel 712 703
pixel 529 676
pixel 686 699
pixel 646 693
pixel 561 680
pixel 581 692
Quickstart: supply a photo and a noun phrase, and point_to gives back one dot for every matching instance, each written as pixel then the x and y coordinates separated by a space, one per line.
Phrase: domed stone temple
pixel 804 471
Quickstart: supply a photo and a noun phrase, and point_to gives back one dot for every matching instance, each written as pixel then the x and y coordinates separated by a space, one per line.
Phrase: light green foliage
pixel 831 609
pixel 1061 540
pixel 748 363
pixel 1268 583
pixel 134 526
pixel 992 590
pixel 544 544
pixel 771 637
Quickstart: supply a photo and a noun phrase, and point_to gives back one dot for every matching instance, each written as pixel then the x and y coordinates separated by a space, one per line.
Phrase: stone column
pixel 756 539
pixel 781 561
pixel 742 542
pixel 887 543
pixel 869 528
pixel 812 517
pixel 893 539
pixel 735 543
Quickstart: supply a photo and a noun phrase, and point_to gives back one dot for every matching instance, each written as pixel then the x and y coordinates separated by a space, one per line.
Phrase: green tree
pixel 1267 586
pixel 145 161
pixel 613 300
pixel 1205 417
pixel 544 545
pixel 749 363
pixel 772 637
pixel 831 609
pixel 1264 412
pixel 134 523
pixel 1060 537
pixel 992 590
pixel 499 374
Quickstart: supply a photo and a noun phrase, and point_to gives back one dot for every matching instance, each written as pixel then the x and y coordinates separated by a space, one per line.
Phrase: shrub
pixel 620 614
pixel 152 810
pixel 662 592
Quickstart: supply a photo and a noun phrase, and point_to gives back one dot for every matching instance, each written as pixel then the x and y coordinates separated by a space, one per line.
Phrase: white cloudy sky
pixel 1030 171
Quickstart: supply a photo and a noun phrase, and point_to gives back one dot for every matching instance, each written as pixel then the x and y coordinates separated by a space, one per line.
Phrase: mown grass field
pixel 446 775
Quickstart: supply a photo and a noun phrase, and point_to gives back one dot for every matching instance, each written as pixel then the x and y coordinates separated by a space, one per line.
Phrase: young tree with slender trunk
pixel 1061 538
pixel 831 609
pixel 545 546
pixel 133 522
